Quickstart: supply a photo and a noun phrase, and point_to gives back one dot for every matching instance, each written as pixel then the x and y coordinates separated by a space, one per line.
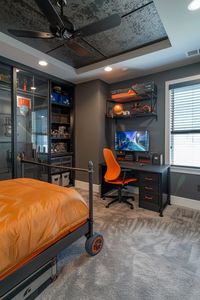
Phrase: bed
pixel 37 221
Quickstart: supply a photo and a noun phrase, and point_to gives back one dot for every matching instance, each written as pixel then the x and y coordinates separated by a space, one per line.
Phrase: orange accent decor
pixel 33 216
pixel 118 109
pixel 129 94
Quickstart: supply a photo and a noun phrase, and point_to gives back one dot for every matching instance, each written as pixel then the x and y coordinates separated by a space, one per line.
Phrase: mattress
pixel 33 216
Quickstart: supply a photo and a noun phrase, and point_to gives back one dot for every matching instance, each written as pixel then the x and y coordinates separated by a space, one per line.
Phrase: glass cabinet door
pixel 32 122
pixel 5 122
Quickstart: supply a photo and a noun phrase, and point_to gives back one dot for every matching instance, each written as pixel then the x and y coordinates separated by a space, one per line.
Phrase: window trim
pixel 177 169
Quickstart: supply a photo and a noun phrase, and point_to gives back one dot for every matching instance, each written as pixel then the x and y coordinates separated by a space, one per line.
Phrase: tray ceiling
pixel 140 26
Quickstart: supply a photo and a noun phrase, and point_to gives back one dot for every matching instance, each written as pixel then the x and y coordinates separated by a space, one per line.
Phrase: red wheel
pixel 94 244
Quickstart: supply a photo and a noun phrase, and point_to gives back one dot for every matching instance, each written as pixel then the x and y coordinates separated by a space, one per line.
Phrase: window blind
pixel 185 125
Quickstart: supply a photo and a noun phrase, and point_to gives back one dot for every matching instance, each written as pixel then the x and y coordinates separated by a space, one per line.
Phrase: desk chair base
pixel 119 198
pixel 123 199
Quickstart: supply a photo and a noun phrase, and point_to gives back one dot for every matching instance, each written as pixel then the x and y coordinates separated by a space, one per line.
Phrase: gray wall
pixel 90 103
pixel 93 131
pixel 182 185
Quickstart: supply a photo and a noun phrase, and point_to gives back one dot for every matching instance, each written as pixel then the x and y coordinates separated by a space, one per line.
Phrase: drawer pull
pixel 148 198
pixel 148 178
pixel 148 188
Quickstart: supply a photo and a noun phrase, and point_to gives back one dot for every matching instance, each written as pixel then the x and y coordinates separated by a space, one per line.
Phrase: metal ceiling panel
pixel 138 27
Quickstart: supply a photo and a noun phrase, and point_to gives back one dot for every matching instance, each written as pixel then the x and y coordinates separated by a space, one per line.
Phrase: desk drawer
pixel 149 188
pixel 149 178
pixel 149 198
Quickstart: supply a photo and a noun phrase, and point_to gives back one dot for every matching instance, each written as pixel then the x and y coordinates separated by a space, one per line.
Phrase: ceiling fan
pixel 61 28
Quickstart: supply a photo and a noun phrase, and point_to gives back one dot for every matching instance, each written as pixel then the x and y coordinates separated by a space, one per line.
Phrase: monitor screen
pixel 132 141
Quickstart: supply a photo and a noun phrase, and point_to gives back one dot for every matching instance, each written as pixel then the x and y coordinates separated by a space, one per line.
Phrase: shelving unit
pixel 33 124
pixel 61 142
pixel 140 100
pixel 6 170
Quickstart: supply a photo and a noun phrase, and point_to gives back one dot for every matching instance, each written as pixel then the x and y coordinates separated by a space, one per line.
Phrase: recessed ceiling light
pixel 43 63
pixel 17 70
pixel 194 5
pixel 33 88
pixel 108 69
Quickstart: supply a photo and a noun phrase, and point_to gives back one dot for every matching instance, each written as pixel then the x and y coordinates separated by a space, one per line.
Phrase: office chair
pixel 117 176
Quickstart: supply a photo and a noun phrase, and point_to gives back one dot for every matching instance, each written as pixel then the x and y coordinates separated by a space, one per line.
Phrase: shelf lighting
pixel 194 5
pixel 43 63
pixel 33 88
pixel 17 70
pixel 108 69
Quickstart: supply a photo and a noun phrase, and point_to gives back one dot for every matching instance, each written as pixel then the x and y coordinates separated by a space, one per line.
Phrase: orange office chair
pixel 117 176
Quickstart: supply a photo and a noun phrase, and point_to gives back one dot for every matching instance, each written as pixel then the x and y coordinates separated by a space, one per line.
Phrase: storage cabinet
pixel 153 190
pixel 32 122
pixel 6 168
pixel 62 132
pixel 36 123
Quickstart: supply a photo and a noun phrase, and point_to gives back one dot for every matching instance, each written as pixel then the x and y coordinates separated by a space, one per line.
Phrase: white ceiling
pixel 181 25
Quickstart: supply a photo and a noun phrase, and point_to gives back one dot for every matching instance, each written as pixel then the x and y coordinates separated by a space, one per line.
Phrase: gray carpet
pixel 145 257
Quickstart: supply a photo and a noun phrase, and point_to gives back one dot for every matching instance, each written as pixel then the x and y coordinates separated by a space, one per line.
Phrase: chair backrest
pixel 113 168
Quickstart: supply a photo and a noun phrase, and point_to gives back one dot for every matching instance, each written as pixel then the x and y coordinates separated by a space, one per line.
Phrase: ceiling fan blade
pixel 99 26
pixel 50 12
pixel 31 34
pixel 77 48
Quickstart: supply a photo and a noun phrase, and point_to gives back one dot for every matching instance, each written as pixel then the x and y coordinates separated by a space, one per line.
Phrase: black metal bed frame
pixel 51 252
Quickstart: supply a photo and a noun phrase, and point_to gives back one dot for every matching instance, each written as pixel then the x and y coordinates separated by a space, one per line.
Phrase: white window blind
pixel 185 125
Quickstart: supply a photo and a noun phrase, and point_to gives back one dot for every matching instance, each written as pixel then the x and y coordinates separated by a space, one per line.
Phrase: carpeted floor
pixel 145 257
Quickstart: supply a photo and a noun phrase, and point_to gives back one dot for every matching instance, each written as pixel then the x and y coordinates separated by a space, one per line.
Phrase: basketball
pixel 118 109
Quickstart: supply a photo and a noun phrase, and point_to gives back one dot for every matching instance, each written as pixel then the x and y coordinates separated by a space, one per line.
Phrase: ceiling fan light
pixel 194 5
pixel 43 63
pixel 108 69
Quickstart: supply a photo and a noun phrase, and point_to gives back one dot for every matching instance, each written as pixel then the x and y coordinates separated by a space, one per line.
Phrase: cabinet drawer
pixel 149 188
pixel 149 178
pixel 149 198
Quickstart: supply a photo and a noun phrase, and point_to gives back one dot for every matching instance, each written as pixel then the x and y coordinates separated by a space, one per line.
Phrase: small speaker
pixel 157 159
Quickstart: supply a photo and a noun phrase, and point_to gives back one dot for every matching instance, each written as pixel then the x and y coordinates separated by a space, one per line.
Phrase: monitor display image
pixel 132 141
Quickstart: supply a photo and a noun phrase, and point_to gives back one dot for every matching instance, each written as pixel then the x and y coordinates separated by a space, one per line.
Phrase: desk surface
pixel 143 167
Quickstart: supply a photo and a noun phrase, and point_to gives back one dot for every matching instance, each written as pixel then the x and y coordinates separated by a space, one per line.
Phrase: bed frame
pixel 94 242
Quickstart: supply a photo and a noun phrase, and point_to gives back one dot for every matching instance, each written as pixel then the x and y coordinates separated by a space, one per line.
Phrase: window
pixel 185 124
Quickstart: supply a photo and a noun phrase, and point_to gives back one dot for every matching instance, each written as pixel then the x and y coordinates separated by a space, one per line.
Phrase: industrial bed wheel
pixel 94 244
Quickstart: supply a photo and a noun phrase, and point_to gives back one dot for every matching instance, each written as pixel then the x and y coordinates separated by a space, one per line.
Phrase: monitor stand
pixel 131 156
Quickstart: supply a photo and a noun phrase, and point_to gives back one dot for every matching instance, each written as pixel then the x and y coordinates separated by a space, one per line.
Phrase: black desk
pixel 153 183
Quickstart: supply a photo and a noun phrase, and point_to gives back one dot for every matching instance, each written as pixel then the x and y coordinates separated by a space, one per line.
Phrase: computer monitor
pixel 135 141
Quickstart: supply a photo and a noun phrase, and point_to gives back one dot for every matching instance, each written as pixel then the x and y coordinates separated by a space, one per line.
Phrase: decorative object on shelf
pixel 60 98
pixel 118 109
pixel 139 108
pixel 7 126
pixel 6 78
pixel 122 94
pixel 24 105
pixel 58 148
pixel 143 88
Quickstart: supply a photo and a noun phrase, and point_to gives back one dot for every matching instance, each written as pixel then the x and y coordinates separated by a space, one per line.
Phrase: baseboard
pixel 85 186
pixel 185 202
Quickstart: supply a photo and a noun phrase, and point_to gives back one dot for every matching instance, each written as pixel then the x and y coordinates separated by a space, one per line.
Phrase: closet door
pixel 6 169
pixel 32 122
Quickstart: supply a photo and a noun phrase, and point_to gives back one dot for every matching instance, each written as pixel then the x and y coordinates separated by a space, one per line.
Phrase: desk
pixel 153 183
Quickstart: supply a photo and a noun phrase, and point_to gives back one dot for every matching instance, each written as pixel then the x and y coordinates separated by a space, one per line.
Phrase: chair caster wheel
pixel 94 244
pixel 107 206
pixel 131 207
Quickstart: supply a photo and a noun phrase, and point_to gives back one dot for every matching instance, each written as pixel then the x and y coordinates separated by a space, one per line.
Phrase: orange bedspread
pixel 33 215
